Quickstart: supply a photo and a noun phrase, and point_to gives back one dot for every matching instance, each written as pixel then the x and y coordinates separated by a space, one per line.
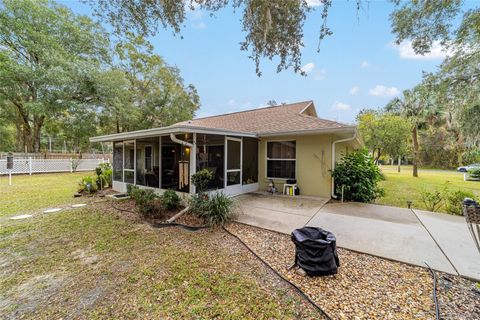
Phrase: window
pixel 281 158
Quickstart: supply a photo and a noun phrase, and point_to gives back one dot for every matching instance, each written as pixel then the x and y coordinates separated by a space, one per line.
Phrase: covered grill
pixel 316 251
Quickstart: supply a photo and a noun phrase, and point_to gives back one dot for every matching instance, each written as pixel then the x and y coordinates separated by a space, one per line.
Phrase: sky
pixel 357 67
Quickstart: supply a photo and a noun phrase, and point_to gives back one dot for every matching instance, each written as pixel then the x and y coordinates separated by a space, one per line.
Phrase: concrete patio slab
pixel 399 234
pixel 278 213
pixel 405 241
pixel 453 236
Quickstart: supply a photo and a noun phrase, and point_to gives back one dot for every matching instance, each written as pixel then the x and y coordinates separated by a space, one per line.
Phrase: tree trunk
pixel 379 153
pixel 37 128
pixel 415 151
pixel 399 163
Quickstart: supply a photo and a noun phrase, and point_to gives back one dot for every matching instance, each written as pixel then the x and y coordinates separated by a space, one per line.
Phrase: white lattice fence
pixel 30 166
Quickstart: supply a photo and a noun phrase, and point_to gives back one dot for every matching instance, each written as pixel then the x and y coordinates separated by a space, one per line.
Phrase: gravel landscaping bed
pixel 459 298
pixel 366 287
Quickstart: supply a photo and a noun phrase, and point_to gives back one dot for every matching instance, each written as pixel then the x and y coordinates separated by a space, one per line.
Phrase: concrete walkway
pixel 441 240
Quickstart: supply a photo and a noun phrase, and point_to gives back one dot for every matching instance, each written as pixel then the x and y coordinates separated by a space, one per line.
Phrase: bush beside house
pixel 358 175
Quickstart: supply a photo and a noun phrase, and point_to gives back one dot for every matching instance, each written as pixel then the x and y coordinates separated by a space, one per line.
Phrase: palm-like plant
pixel 415 105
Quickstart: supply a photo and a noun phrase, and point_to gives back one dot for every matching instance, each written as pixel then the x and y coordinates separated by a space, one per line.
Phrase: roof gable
pixel 274 119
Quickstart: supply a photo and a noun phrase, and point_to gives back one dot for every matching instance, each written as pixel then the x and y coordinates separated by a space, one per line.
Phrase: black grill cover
pixel 316 251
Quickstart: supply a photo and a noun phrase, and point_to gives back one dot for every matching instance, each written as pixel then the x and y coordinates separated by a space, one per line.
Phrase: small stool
pixel 288 185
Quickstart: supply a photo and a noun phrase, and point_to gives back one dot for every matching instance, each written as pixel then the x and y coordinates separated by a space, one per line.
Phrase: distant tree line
pixel 61 74
pixel 442 113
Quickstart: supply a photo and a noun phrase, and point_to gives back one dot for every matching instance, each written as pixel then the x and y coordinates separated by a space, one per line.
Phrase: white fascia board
pixel 166 131
pixel 309 132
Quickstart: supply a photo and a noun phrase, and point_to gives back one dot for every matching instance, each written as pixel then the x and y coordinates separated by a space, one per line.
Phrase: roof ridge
pixel 250 110
pixel 323 119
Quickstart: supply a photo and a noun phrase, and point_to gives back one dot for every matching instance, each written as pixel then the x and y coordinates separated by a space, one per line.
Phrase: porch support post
pixel 160 162
pixel 135 161
pixel 193 162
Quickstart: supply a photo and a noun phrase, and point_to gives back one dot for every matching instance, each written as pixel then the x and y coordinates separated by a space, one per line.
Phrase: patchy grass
pixel 92 263
pixel 400 187
pixel 37 191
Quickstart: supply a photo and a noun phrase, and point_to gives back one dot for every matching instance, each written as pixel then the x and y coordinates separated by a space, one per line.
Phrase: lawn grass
pixel 89 263
pixel 97 263
pixel 28 193
pixel 400 187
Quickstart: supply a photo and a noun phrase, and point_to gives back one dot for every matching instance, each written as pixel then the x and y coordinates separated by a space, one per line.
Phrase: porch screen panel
pixel 210 156
pixel 129 162
pixel 118 161
pixel 281 159
pixel 147 162
pixel 250 161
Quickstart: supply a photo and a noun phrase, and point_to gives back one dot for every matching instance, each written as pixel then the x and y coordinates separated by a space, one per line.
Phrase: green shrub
pixel 146 200
pixel 198 204
pixel 453 201
pixel 220 209
pixel 474 173
pixel 88 184
pixel 131 189
pixel 104 175
pixel 170 200
pixel 216 210
pixel 432 199
pixel 359 176
pixel 201 179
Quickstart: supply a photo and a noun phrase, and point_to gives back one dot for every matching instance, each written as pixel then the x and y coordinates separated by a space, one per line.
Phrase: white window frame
pixel 232 170
pixel 280 159
pixel 134 170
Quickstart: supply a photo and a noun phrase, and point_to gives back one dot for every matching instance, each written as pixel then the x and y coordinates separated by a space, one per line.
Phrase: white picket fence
pixel 31 166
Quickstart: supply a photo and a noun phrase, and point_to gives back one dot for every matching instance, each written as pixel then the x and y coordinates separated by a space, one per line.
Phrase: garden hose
pixel 303 294
pixel 193 228
pixel 435 300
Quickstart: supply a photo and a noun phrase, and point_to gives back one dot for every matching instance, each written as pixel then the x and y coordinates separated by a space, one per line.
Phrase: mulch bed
pixel 366 287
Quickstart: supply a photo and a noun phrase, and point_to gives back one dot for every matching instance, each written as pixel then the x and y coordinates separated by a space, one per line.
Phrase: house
pixel 244 150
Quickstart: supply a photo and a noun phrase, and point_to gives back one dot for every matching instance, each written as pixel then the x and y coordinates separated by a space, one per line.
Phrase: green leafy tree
pixel 47 59
pixel 384 133
pixel 414 106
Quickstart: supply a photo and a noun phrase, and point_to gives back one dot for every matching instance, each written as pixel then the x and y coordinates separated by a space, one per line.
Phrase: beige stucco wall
pixel 313 153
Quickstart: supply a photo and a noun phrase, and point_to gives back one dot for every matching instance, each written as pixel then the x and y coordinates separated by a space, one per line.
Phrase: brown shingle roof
pixel 276 119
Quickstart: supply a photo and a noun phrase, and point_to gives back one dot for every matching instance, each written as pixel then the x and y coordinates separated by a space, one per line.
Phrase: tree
pixel 58 75
pixel 414 106
pixel 383 133
pixel 48 57
pixel 272 28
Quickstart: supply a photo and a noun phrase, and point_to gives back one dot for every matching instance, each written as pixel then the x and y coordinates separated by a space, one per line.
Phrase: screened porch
pixel 168 161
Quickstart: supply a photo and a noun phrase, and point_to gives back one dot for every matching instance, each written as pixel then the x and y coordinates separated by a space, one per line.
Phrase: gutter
pixel 333 159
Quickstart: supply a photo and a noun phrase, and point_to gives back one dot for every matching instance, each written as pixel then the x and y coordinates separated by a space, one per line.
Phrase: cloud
pixel 314 3
pixel 340 106
pixel 354 90
pixel 364 64
pixel 308 67
pixel 405 50
pixel 232 102
pixel 199 25
pixel 320 74
pixel 384 91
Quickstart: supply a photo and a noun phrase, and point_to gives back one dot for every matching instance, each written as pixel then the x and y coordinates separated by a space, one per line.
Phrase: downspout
pixel 191 146
pixel 333 159
pixel 183 143
pixel 192 155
